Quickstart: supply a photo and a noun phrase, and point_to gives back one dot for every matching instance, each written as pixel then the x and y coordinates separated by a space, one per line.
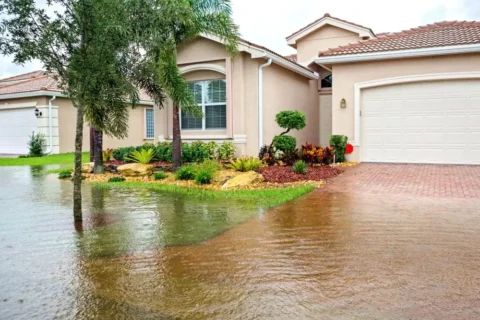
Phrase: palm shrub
pixel 245 164
pixel 107 155
pixel 144 156
pixel 186 173
pixel 203 177
pixel 300 167
pixel 226 151
pixel 36 144
pixel 339 143
pixel 160 175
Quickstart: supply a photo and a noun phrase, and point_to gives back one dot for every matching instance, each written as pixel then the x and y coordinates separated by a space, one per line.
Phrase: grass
pixel 267 198
pixel 63 158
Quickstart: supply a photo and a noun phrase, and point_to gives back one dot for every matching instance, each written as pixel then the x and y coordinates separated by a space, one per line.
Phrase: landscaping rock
pixel 135 170
pixel 87 167
pixel 244 179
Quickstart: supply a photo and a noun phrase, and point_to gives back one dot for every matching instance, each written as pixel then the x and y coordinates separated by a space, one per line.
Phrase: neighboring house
pixel 411 96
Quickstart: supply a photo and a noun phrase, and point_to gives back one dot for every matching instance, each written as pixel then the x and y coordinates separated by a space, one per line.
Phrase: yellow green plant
pixel 144 156
pixel 245 164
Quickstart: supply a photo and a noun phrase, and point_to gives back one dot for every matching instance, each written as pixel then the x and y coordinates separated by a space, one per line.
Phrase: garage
pixel 16 125
pixel 424 122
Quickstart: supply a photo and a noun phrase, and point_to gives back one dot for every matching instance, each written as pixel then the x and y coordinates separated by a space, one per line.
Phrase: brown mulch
pixel 281 174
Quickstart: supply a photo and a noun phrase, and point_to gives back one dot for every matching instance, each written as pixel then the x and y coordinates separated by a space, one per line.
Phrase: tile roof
pixel 291 57
pixel 327 15
pixel 38 81
pixel 441 34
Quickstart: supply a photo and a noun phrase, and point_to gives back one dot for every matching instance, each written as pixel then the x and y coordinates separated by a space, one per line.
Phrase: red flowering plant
pixel 348 149
pixel 311 153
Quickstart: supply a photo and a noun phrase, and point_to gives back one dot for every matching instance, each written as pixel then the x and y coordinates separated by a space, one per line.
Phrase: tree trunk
pixel 98 152
pixel 92 143
pixel 77 178
pixel 177 139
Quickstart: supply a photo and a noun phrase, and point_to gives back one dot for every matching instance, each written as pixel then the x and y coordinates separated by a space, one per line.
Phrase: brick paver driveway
pixel 446 181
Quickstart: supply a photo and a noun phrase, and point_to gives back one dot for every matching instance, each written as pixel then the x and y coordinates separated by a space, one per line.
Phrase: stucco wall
pixel 201 50
pixel 285 90
pixel 67 122
pixel 346 75
pixel 323 39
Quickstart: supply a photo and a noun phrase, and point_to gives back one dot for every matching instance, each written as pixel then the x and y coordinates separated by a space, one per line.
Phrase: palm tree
pixel 162 27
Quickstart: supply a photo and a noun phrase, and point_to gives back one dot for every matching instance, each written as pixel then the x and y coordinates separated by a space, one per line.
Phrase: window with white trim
pixel 149 124
pixel 211 96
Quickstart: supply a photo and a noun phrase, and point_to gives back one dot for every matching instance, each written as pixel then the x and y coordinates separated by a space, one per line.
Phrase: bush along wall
pixel 339 143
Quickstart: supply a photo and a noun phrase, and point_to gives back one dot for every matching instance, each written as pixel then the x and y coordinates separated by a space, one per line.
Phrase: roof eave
pixel 399 54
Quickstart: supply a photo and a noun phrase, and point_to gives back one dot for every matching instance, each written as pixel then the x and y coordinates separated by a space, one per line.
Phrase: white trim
pixel 237 139
pixel 362 32
pixel 422 52
pixel 256 53
pixel 358 87
pixel 145 137
pixel 203 66
pixel 18 105
pixel 260 102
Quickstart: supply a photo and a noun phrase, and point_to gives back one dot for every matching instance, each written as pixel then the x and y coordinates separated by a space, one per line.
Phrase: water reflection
pixel 148 255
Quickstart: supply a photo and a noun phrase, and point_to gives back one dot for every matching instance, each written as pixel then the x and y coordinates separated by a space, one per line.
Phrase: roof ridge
pixel 23 81
pixel 21 75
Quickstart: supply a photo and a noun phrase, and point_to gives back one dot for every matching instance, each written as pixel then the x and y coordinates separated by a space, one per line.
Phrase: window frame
pixel 145 132
pixel 324 79
pixel 204 104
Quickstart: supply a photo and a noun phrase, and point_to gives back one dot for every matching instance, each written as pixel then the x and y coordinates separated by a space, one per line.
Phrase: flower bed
pixel 281 174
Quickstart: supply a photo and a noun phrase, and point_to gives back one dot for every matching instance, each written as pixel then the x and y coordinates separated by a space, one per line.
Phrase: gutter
pixel 260 102
pixel 423 52
pixel 50 125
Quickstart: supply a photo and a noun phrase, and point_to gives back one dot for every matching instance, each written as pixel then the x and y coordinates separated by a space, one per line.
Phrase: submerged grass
pixel 267 198
pixel 63 158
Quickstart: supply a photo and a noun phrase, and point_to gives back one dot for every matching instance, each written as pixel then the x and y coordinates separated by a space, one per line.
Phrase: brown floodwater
pixel 150 255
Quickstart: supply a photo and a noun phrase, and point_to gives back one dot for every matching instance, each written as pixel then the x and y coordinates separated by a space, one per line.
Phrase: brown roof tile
pixel 439 34
pixel 327 15
pixel 291 57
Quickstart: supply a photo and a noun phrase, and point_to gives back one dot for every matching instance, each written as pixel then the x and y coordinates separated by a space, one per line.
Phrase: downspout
pixel 260 102
pixel 50 125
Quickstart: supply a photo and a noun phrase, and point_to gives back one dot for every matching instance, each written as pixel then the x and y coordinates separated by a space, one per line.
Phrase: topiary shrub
pixel 160 175
pixel 291 120
pixel 36 144
pixel 203 177
pixel 185 173
pixel 300 167
pixel 339 143
pixel 116 179
pixel 285 144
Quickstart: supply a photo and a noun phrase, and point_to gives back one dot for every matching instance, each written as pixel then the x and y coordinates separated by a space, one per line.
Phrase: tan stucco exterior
pixel 352 73
pixel 323 39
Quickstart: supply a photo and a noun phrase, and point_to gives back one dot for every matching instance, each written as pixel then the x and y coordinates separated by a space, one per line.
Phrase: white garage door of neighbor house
pixel 427 122
pixel 16 125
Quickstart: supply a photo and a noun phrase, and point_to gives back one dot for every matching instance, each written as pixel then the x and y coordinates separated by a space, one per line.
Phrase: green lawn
pixel 64 158
pixel 268 198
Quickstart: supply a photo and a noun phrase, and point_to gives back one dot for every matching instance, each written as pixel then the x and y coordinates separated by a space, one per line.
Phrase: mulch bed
pixel 281 174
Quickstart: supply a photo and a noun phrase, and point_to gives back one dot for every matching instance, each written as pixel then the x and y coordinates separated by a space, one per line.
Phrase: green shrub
pixel 107 155
pixel 339 143
pixel 197 151
pixel 122 154
pixel 65 174
pixel 203 177
pixel 144 156
pixel 160 175
pixel 163 152
pixel 186 173
pixel 36 144
pixel 245 164
pixel 291 120
pixel 226 151
pixel 300 167
pixel 285 144
pixel 212 147
pixel 116 179
pixel 211 166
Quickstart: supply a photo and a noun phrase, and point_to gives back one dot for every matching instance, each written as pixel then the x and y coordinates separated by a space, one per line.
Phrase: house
pixel 411 96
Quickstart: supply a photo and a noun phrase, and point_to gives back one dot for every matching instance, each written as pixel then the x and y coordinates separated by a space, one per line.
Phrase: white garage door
pixel 16 125
pixel 428 122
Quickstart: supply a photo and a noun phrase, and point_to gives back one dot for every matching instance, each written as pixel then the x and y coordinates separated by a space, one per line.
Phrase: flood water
pixel 152 255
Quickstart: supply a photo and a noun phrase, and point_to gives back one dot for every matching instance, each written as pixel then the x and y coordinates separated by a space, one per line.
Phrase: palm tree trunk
pixel 77 178
pixel 98 155
pixel 92 143
pixel 177 139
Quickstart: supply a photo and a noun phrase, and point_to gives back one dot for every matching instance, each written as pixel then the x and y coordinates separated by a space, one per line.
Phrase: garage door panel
pixel 16 125
pixel 430 122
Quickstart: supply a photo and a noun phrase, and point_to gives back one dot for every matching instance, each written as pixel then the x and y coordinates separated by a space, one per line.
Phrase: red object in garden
pixel 348 149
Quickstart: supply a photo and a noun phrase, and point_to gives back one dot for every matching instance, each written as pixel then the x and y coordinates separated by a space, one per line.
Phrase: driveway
pixel 419 180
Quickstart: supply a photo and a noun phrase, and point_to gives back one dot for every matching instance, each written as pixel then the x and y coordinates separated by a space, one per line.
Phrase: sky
pixel 268 22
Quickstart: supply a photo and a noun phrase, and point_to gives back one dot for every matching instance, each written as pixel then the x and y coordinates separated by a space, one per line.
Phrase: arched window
pixel 327 81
